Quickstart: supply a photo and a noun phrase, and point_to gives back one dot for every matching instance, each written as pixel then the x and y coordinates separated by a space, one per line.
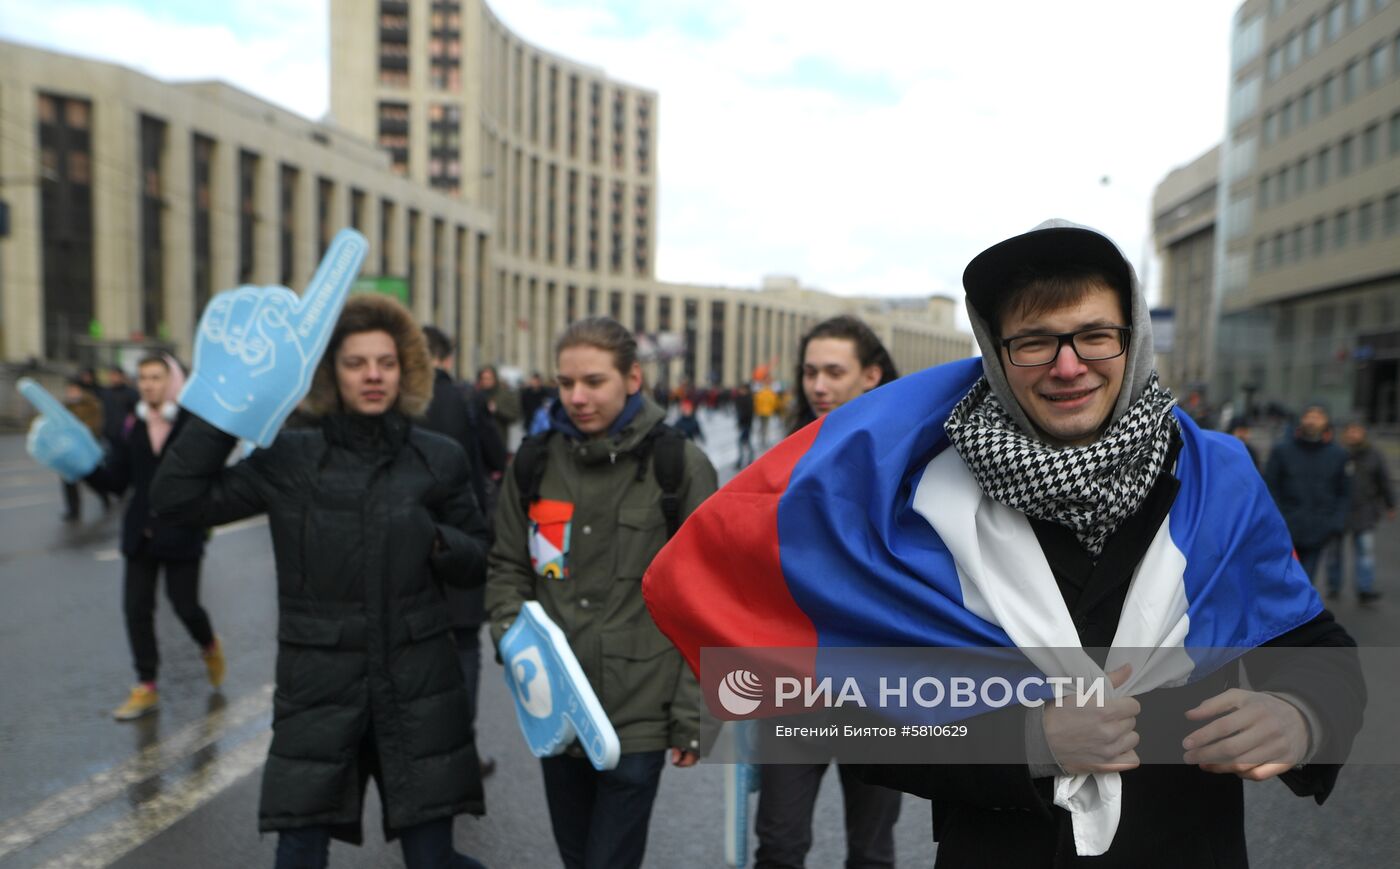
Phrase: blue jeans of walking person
pixel 600 818
pixel 1364 553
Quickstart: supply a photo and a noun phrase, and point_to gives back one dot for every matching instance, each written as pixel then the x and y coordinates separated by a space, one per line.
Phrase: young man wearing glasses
pixel 1048 497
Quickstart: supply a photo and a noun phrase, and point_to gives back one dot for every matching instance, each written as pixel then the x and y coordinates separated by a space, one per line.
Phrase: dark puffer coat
pixel 370 516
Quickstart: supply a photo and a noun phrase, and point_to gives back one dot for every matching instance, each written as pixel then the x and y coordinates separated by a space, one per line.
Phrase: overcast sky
pixel 867 148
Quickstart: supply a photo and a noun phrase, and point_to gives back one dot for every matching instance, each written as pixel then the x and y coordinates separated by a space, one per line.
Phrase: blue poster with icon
pixel 554 701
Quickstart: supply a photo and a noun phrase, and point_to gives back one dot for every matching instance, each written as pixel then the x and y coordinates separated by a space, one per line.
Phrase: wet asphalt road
pixel 180 788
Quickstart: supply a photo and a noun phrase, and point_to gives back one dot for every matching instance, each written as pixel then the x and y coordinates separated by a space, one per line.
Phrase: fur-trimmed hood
pixel 368 312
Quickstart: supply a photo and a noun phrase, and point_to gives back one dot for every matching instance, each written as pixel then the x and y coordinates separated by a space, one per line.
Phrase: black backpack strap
pixel 668 463
pixel 528 467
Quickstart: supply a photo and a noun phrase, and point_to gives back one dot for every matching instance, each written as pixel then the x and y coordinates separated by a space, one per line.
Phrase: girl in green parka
pixel 579 547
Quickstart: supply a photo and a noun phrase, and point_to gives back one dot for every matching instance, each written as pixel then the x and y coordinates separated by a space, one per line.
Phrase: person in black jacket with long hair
pixel 370 515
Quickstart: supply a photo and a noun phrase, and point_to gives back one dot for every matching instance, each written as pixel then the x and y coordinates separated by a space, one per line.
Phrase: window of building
pixel 1370 144
pixel 1390 214
pixel 1336 20
pixel 1345 157
pixel 357 209
pixel 1365 221
pixel 1265 187
pixel 1261 255
pixel 153 132
pixel 1319 236
pixel 1248 41
pixel 1312 41
pixel 1327 94
pixel 288 178
pixel 202 210
pixel 247 215
pixel 595 121
pixel 1324 165
pixel 393 134
pixel 1306 102
pixel 1270 129
pixel 1341 224
pixel 1274 66
pixel 386 236
pixel 1285 118
pixel 1358 12
pixel 1293 50
pixel 1295 244
pixel 1376 66
pixel 1300 177
pixel 1281 188
pixel 1276 246
pixel 615 208
pixel 1241 158
pixel 1351 81
pixel 1395 134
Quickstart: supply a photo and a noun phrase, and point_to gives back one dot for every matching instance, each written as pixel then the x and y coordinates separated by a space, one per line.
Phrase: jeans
pixel 786 797
pixel 139 603
pixel 425 846
pixel 600 819
pixel 1363 549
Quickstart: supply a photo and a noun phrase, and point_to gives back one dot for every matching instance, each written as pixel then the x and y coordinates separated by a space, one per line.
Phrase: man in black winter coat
pixel 1372 499
pixel 1307 475
pixel 449 413
pixel 150 543
pixel 371 515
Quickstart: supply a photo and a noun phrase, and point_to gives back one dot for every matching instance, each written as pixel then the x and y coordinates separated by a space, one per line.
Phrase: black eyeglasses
pixel 1093 344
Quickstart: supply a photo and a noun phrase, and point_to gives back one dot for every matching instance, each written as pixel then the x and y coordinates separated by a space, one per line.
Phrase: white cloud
pixel 990 117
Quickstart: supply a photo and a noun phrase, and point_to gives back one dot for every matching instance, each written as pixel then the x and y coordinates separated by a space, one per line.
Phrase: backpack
pixel 663 445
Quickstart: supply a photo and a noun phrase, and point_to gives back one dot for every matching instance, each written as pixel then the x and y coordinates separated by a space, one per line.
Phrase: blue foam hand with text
pixel 57 439
pixel 554 701
pixel 257 348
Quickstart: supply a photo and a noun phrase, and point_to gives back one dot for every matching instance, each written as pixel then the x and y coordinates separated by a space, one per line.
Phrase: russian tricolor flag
pixel 865 530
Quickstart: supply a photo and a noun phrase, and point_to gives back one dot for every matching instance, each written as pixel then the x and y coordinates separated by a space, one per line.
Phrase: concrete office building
pixel 1308 245
pixel 504 191
pixel 1183 226
pixel 565 159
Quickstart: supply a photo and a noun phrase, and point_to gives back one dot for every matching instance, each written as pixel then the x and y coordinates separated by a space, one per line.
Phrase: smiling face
pixel 1068 400
pixel 591 388
pixel 832 374
pixel 367 372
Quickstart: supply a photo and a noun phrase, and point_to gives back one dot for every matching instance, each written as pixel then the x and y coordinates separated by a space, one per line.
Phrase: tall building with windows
pixel 505 191
pixel 1308 249
pixel 1183 225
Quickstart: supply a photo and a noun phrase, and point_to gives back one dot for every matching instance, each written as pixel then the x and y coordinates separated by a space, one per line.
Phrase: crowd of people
pixel 408 510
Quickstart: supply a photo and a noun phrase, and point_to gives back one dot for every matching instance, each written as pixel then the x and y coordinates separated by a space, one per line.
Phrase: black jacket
pixel 451 415
pixel 1308 480
pixel 369 517
pixel 131 462
pixel 1173 815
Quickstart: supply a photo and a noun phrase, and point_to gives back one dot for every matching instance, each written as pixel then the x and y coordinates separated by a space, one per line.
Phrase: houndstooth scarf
pixel 1089 489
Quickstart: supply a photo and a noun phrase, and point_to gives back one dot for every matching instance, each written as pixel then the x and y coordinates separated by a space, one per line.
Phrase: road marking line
pixel 60 809
pixel 254 522
pixel 159 814
pixel 28 501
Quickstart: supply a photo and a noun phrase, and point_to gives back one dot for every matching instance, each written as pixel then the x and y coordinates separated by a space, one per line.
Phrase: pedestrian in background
pixel 688 425
pixel 765 408
pixel 1371 497
pixel 1307 476
pixel 119 400
pixel 839 360
pixel 370 515
pixel 151 544
pixel 597 473
pixel 80 397
pixel 452 415
pixel 743 416
pixel 502 402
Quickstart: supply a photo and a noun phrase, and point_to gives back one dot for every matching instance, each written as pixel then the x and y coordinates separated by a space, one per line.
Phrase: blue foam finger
pixel 57 439
pixel 256 348
pixel 554 701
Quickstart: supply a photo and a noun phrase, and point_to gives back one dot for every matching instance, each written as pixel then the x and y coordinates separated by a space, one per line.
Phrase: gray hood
pixel 1140 353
